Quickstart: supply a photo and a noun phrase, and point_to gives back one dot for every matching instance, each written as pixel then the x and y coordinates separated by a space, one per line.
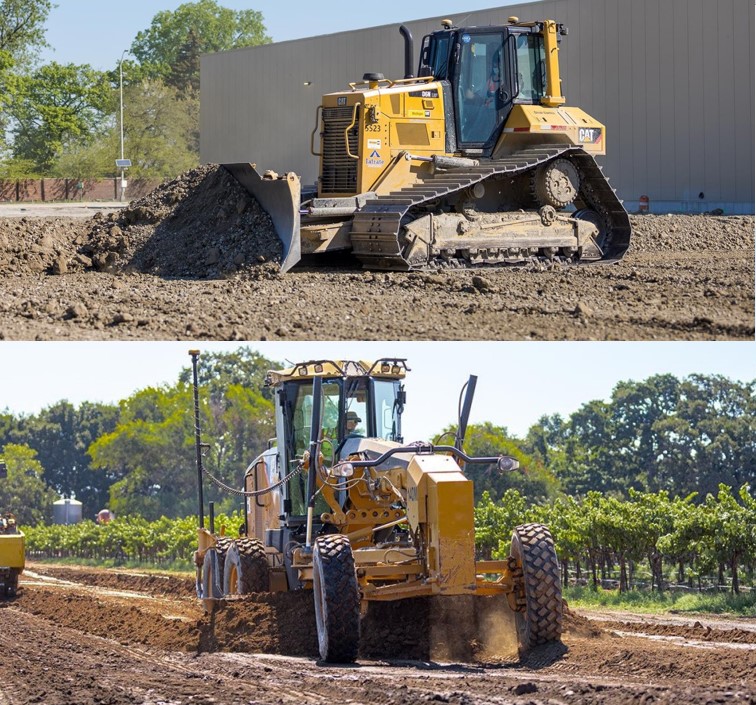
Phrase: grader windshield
pixel 351 407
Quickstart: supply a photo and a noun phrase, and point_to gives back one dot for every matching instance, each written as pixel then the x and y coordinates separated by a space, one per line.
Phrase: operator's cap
pixel 352 416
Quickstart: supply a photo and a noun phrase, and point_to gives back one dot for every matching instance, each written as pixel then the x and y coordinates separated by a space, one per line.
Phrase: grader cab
pixel 341 505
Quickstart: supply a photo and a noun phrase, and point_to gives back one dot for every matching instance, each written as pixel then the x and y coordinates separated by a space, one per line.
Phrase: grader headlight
pixel 343 470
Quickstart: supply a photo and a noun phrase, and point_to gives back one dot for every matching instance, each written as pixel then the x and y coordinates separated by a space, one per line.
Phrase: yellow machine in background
pixel 12 550
pixel 477 161
pixel 341 505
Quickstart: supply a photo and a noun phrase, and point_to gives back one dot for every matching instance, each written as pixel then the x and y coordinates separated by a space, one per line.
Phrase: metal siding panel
pixel 681 93
pixel 621 143
pixel 711 109
pixel 725 96
pixel 650 110
pixel 741 178
pixel 744 52
pixel 696 131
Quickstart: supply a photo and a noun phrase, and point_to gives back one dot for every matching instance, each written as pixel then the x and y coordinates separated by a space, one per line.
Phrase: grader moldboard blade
pixel 279 197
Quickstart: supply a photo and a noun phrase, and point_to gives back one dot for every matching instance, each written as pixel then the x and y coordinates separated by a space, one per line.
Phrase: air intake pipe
pixel 409 52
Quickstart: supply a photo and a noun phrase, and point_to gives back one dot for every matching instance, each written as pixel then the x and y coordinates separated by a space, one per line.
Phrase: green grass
pixel 743 605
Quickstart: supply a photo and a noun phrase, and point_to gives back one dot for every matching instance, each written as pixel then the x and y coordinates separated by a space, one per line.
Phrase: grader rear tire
pixel 337 599
pixel 541 621
pixel 246 568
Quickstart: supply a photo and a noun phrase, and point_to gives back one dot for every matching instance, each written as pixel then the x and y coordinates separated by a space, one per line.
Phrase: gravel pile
pixel 202 225
pixel 691 233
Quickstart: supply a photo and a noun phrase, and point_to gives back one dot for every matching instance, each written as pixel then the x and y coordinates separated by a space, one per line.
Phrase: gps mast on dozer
pixel 477 161
pixel 380 521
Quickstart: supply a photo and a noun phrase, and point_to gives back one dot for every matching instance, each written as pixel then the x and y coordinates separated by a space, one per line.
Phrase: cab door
pixel 483 92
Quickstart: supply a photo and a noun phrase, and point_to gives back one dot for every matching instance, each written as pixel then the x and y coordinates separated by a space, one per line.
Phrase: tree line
pixel 683 437
pixel 63 119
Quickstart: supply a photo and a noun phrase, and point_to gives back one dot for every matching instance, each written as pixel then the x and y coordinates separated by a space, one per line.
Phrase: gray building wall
pixel 673 80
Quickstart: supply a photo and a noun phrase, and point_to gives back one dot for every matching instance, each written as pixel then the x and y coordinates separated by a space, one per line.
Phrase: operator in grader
pixel 475 160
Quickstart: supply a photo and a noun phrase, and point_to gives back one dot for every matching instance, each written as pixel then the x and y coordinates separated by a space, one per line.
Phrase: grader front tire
pixel 246 568
pixel 541 621
pixel 337 599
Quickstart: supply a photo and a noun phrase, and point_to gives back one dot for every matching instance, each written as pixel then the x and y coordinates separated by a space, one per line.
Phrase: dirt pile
pixel 201 225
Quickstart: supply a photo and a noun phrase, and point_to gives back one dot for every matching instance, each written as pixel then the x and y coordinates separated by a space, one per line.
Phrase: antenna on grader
pixel 198 438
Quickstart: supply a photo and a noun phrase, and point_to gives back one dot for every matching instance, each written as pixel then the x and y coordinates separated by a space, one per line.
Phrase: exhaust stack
pixel 409 52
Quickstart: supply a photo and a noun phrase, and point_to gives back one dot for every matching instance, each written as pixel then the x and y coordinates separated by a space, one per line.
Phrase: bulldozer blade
pixel 279 197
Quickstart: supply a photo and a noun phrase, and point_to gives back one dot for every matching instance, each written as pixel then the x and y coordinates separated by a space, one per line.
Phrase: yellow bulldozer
pixel 476 160
pixel 12 549
pixel 339 504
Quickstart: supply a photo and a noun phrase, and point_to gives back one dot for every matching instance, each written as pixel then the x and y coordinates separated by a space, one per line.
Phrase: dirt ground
pixel 198 259
pixel 87 636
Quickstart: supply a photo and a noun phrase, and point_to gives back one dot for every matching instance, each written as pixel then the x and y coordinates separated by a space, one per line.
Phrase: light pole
pixel 122 163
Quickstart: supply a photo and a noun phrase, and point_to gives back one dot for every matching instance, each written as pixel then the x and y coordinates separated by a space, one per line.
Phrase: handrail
pixel 312 136
pixel 394 82
pixel 346 132
pixel 504 462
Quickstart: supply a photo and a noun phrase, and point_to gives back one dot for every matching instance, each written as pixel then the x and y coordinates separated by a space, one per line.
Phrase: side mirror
pixel 3 471
pixel 507 464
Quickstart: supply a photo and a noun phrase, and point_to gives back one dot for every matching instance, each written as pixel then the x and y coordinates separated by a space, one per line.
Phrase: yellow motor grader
pixel 475 161
pixel 341 505
pixel 12 550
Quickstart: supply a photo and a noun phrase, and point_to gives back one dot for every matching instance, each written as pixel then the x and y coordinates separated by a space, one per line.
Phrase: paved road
pixel 58 210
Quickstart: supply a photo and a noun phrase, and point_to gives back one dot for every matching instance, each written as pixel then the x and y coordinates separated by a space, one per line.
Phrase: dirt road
pixel 197 259
pixel 83 636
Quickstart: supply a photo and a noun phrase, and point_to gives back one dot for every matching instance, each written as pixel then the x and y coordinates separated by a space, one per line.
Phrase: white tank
pixel 66 511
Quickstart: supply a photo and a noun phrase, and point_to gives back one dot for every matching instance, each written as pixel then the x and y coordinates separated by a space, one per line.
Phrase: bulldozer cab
pixel 490 70
pixel 359 400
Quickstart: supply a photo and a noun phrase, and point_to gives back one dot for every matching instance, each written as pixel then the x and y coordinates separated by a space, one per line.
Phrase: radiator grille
pixel 339 169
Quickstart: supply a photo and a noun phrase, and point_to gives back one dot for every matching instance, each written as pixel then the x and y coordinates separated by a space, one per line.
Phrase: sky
pixel 96 32
pixel 518 382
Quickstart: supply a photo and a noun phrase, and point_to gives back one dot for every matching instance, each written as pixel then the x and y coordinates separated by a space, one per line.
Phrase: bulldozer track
pixel 377 226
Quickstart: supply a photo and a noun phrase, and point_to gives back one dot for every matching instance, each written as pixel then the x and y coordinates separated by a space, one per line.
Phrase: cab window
pixel 531 67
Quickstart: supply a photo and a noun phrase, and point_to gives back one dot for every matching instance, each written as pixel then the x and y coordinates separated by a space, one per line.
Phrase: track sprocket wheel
pixel 541 620
pixel 246 568
pixel 337 599
pixel 556 183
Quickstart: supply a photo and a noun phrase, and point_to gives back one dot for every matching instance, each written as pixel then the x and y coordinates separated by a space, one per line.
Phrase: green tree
pixel 151 451
pixel 22 27
pixel 54 106
pixel 24 492
pixel 488 440
pixel 219 370
pixel 171 47
pixel 161 132
pixel 61 434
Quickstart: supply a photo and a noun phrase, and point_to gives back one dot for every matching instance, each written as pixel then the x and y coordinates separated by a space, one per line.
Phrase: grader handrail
pixel 504 463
